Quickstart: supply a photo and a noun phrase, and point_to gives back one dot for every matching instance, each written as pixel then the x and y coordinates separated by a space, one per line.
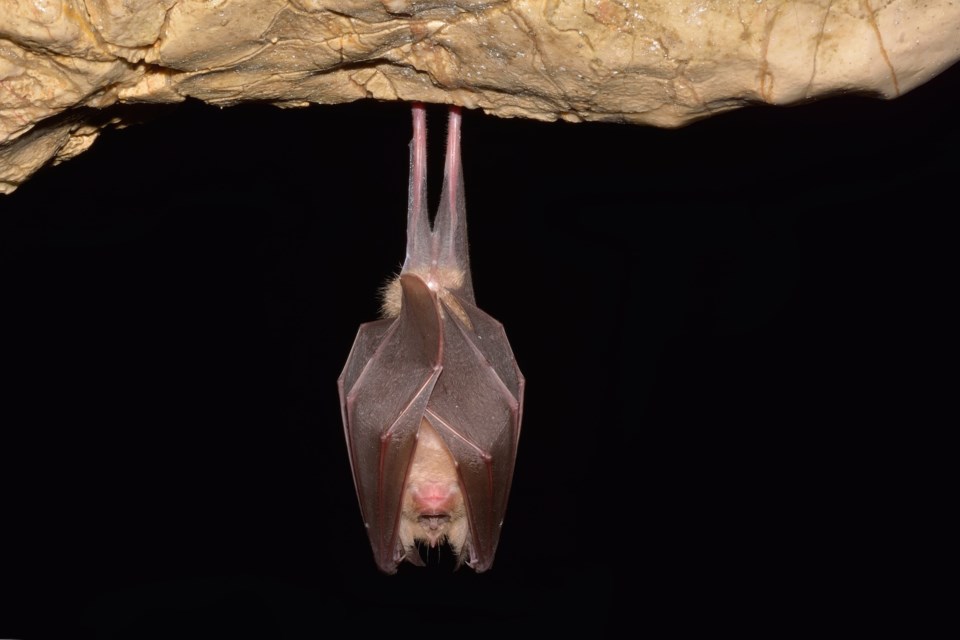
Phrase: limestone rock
pixel 655 62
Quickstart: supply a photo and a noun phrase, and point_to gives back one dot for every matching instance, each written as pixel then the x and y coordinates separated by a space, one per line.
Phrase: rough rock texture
pixel 658 62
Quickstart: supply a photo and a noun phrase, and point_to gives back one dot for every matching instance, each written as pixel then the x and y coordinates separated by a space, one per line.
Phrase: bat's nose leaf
pixel 385 387
pixel 475 407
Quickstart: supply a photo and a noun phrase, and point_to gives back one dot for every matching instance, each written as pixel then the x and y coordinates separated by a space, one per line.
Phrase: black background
pixel 714 323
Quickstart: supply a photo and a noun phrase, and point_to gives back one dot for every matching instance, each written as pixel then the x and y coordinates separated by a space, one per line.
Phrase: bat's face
pixel 433 508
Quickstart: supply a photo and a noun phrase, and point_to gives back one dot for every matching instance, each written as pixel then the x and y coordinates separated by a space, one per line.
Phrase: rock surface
pixel 662 63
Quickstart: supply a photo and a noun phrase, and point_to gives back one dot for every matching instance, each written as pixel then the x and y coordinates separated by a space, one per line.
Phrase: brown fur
pixel 441 281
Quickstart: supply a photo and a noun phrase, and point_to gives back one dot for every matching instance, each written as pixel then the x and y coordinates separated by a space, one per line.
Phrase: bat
pixel 431 395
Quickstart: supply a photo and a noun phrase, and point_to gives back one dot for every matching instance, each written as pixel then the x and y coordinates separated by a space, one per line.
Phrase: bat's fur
pixel 391 298
pixel 443 281
pixel 432 470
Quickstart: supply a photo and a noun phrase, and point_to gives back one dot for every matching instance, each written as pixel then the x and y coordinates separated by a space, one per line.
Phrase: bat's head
pixel 433 509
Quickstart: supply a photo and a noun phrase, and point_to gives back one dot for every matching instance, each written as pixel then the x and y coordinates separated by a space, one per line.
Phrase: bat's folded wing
pixel 476 408
pixel 384 390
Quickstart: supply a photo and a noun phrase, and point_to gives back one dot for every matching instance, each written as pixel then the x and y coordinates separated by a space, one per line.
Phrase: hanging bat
pixel 431 395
